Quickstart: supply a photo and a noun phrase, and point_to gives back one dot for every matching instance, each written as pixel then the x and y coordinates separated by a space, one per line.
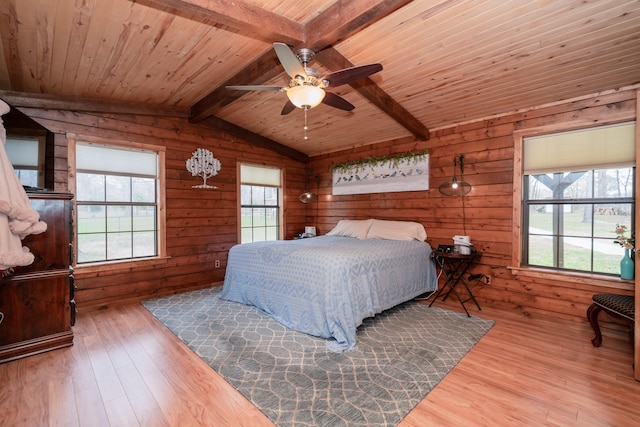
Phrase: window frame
pixel 280 205
pixel 517 267
pixel 161 255
pixel 40 161
pixel 564 237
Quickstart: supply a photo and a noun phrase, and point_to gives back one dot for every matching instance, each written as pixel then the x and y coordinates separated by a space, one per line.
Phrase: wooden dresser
pixel 37 300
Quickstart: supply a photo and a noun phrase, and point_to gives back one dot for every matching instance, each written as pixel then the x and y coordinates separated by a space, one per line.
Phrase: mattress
pixel 326 286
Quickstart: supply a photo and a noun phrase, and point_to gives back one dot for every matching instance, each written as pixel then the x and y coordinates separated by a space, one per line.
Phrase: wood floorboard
pixel 126 369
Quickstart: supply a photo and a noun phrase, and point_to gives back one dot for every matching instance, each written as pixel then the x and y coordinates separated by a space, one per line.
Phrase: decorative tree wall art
pixel 398 172
pixel 202 163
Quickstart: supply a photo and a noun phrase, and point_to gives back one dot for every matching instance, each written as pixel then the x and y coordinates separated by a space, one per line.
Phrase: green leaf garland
pixel 393 160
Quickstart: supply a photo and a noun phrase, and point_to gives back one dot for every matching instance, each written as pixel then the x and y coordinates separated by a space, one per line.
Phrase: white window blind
pixel 23 152
pixel 259 175
pixel 92 157
pixel 594 148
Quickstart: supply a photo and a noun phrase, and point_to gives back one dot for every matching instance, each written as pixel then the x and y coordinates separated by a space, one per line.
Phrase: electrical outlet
pixel 217 263
pixel 487 280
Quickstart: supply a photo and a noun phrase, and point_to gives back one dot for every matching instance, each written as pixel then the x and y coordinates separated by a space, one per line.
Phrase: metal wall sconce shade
pixel 309 196
pixel 455 187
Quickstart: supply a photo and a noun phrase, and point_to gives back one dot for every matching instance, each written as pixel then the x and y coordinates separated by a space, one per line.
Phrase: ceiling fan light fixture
pixel 305 96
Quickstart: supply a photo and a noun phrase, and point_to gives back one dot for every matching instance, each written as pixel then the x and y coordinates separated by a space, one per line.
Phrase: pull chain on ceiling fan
pixel 306 88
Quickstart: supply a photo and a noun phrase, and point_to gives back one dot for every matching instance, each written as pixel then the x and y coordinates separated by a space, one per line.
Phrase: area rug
pixel 401 355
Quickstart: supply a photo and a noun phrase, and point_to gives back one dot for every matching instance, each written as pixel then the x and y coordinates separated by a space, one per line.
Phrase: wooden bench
pixel 621 306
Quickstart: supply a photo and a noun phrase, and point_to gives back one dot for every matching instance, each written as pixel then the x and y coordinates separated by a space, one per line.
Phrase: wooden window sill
pixel 585 278
pixel 116 266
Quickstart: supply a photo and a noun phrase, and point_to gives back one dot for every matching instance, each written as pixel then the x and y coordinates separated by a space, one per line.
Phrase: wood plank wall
pixel 201 224
pixel 486 212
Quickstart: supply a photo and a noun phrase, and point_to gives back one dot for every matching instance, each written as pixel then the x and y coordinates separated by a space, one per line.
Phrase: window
pixel 576 187
pixel 26 156
pixel 117 202
pixel 259 203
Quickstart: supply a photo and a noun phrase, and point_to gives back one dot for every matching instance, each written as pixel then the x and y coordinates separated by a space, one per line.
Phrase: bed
pixel 327 285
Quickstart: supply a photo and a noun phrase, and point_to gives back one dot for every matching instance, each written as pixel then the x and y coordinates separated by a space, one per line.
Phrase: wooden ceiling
pixel 445 61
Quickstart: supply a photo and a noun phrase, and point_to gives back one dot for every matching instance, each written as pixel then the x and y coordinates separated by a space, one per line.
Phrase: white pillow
pixel 397 230
pixel 351 228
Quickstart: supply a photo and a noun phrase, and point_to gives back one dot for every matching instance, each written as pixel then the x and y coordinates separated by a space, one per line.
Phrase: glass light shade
pixel 305 96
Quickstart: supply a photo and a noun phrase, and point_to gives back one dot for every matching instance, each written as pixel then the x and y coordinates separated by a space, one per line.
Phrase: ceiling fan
pixel 306 88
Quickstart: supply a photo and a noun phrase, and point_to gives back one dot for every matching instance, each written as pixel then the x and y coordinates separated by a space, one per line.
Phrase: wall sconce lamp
pixel 309 196
pixel 455 187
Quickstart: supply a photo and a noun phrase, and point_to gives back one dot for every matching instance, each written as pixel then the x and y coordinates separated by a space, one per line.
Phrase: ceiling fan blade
pixel 288 107
pixel 254 88
pixel 289 60
pixel 351 74
pixel 336 101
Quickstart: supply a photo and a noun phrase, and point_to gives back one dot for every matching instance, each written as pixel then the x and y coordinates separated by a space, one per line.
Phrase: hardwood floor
pixel 127 369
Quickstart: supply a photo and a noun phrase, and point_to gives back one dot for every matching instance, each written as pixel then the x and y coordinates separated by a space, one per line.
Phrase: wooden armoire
pixel 36 301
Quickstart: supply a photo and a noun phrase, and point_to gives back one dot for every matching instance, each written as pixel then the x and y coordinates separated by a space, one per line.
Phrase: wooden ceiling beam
pixel 263 69
pixel 340 20
pixel 255 139
pixel 245 17
pixel 91 105
pixel 333 60
pixel 344 18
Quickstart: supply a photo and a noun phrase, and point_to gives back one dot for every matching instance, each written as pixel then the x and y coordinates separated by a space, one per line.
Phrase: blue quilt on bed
pixel 326 286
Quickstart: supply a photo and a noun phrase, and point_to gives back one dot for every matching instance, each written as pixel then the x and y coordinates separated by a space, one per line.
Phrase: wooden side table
pixel 453 267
